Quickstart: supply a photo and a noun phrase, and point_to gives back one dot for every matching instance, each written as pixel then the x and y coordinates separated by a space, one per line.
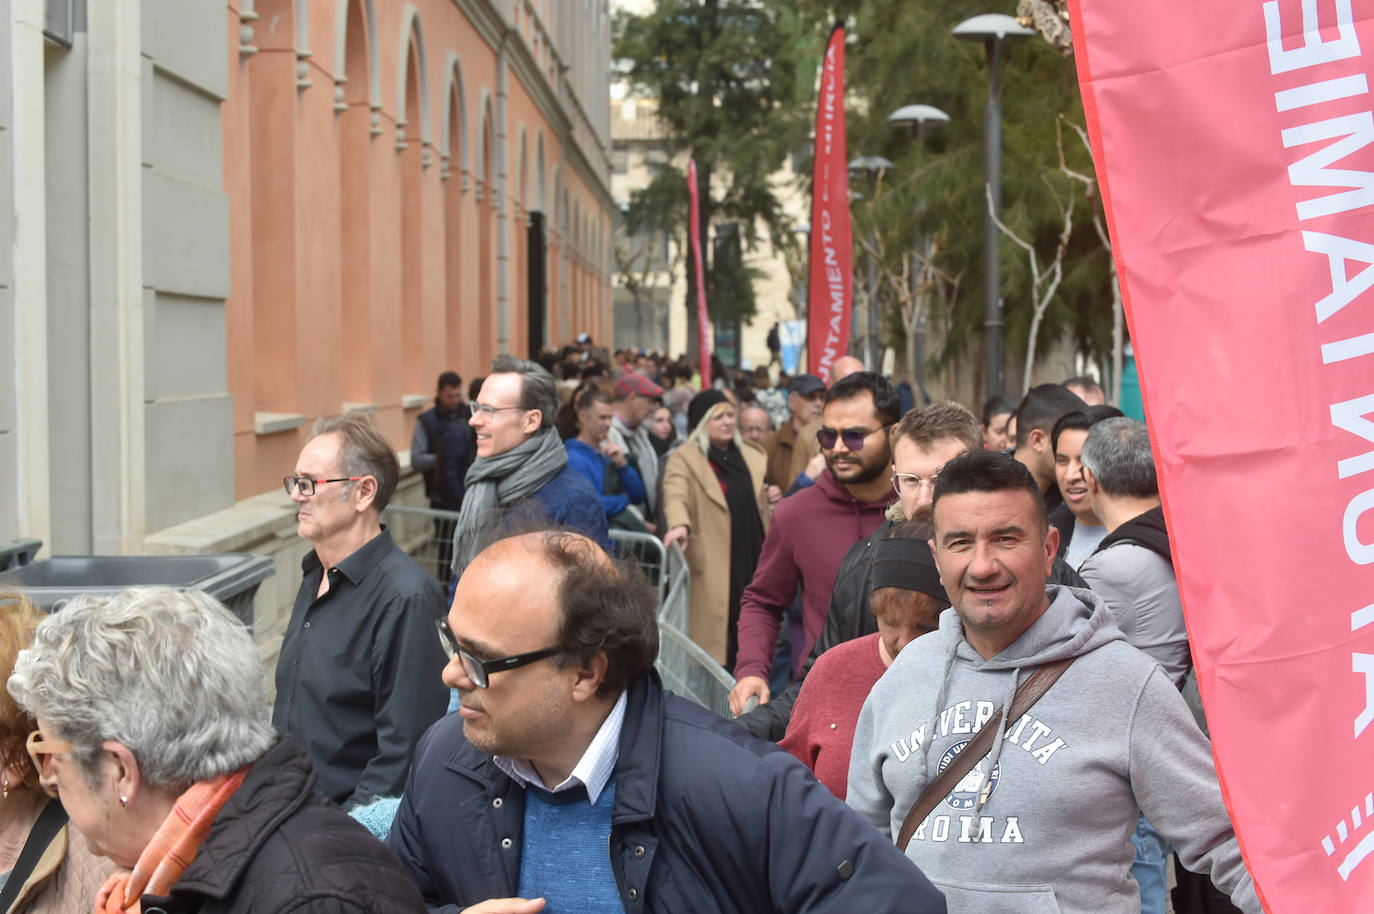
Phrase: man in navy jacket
pixel 569 780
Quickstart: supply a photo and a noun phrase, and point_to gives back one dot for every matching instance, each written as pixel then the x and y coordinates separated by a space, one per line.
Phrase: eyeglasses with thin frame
pixel 487 412
pixel 479 670
pixel 853 438
pixel 40 750
pixel 910 483
pixel 306 486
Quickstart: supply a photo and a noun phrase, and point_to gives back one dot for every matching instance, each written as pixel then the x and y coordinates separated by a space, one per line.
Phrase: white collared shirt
pixel 592 771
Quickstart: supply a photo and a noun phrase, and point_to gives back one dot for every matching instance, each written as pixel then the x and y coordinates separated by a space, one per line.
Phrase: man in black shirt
pixel 358 676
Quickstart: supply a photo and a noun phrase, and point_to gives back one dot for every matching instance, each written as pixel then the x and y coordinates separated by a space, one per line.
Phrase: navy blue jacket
pixel 706 819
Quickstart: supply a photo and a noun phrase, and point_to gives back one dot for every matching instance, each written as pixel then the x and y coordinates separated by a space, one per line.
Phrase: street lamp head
pixel 991 27
pixel 869 163
pixel 918 114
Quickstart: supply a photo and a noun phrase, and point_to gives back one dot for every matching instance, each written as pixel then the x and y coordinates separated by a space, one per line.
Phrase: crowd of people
pixel 963 680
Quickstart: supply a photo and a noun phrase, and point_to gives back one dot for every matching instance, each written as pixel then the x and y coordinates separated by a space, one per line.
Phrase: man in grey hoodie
pixel 1046 818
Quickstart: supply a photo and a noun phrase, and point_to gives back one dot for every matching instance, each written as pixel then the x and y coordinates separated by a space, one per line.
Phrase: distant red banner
pixel 703 319
pixel 1235 147
pixel 830 291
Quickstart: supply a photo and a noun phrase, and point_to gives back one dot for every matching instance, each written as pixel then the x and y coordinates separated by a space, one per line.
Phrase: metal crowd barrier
pixel 691 672
pixel 648 552
pixel 684 665
pixel 425 534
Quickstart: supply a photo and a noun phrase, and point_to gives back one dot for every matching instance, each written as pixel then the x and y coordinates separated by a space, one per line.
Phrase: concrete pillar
pixel 30 264
pixel 502 190
pixel 115 125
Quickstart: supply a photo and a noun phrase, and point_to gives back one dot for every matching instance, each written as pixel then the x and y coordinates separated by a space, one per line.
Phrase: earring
pixel 5 788
pixel 123 801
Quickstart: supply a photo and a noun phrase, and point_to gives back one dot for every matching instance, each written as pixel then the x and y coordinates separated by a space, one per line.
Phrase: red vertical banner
pixel 703 319
pixel 1234 143
pixel 830 290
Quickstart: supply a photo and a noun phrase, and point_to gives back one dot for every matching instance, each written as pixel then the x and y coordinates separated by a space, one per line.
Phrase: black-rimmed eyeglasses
pixel 853 438
pixel 479 670
pixel 306 486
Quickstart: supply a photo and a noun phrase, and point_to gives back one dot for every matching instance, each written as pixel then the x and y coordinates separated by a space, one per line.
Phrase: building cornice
pixel 491 25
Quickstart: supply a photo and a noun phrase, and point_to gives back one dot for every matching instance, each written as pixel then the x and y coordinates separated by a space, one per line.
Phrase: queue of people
pixel 509 744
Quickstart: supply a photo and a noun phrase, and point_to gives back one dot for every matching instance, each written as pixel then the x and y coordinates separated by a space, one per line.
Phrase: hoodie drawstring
pixel 996 752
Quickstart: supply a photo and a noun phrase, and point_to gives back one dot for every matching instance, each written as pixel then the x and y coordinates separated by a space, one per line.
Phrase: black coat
pixel 706 819
pixel 277 846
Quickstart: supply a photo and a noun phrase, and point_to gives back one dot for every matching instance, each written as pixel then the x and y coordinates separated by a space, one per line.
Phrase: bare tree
pixel 914 284
pixel 1089 183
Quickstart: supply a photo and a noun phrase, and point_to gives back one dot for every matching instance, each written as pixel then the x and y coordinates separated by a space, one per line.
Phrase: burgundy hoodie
pixel 810 532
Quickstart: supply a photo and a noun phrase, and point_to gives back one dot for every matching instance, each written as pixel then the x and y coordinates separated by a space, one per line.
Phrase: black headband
pixel 908 564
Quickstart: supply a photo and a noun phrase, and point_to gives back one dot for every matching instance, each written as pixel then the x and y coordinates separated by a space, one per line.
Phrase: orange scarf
pixel 172 849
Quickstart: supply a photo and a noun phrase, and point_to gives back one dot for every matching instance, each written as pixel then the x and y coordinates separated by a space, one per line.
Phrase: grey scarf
pixel 494 483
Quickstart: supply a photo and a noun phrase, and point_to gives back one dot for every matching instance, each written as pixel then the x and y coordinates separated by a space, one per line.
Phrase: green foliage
pixel 902 53
pixel 732 79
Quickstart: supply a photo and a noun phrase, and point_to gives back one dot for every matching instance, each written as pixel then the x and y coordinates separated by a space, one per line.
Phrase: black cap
pixel 805 384
pixel 701 405
pixel 908 564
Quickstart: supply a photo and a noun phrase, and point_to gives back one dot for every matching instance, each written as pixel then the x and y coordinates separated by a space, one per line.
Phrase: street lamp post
pixel 992 29
pixel 918 116
pixel 873 166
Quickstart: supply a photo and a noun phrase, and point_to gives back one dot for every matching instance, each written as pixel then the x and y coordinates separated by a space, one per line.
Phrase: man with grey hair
pixel 521 466
pixel 1132 571
pixel 358 670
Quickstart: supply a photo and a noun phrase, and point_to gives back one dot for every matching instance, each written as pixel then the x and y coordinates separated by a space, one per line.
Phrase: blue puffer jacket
pixel 706 819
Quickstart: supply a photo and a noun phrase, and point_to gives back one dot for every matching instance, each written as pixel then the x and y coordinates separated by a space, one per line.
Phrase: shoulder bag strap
pixel 1027 694
pixel 49 822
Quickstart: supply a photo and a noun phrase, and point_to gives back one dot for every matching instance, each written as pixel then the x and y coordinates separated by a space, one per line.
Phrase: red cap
pixel 635 383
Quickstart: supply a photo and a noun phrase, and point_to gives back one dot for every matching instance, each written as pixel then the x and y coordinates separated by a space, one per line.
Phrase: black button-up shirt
pixel 358 677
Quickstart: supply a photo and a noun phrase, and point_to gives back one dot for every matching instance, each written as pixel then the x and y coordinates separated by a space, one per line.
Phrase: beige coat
pixel 65 879
pixel 692 497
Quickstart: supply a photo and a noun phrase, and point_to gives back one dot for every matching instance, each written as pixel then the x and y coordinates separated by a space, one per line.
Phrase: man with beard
pixel 922 442
pixel 812 529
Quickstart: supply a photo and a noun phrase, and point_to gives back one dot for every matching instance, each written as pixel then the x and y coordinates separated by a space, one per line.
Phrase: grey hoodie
pixel 1044 822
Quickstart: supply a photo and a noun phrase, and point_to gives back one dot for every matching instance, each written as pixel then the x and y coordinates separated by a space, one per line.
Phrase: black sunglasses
pixel 853 438
pixel 479 670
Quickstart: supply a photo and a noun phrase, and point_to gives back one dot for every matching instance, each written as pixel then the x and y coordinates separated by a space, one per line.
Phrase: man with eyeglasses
pixel 812 529
pixel 922 443
pixel 357 674
pixel 569 780
pixel 521 470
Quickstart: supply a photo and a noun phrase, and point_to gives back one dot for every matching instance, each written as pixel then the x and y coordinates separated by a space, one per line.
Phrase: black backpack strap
pixel 45 828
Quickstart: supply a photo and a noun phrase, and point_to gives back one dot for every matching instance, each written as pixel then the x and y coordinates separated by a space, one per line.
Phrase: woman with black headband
pixel 907 601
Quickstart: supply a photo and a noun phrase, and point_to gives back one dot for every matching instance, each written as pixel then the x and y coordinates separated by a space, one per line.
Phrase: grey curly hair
pixel 171 675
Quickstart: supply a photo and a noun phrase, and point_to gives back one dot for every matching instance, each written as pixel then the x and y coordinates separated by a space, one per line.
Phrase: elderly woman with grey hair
pixel 153 728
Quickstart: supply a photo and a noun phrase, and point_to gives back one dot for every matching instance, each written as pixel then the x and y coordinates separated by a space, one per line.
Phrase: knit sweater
pixel 821 732
pixel 565 858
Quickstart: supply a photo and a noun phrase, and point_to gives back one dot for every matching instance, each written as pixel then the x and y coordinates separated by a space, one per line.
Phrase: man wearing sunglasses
pixel 357 675
pixel 569 780
pixel 813 528
pixel 922 443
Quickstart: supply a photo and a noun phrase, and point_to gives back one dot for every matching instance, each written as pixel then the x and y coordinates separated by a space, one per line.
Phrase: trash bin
pixel 231 578
pixel 19 552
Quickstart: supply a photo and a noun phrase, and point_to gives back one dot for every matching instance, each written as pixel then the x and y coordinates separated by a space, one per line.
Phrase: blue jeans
pixel 1151 867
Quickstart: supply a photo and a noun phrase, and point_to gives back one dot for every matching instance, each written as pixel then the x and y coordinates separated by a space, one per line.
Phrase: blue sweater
pixel 592 465
pixel 565 858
